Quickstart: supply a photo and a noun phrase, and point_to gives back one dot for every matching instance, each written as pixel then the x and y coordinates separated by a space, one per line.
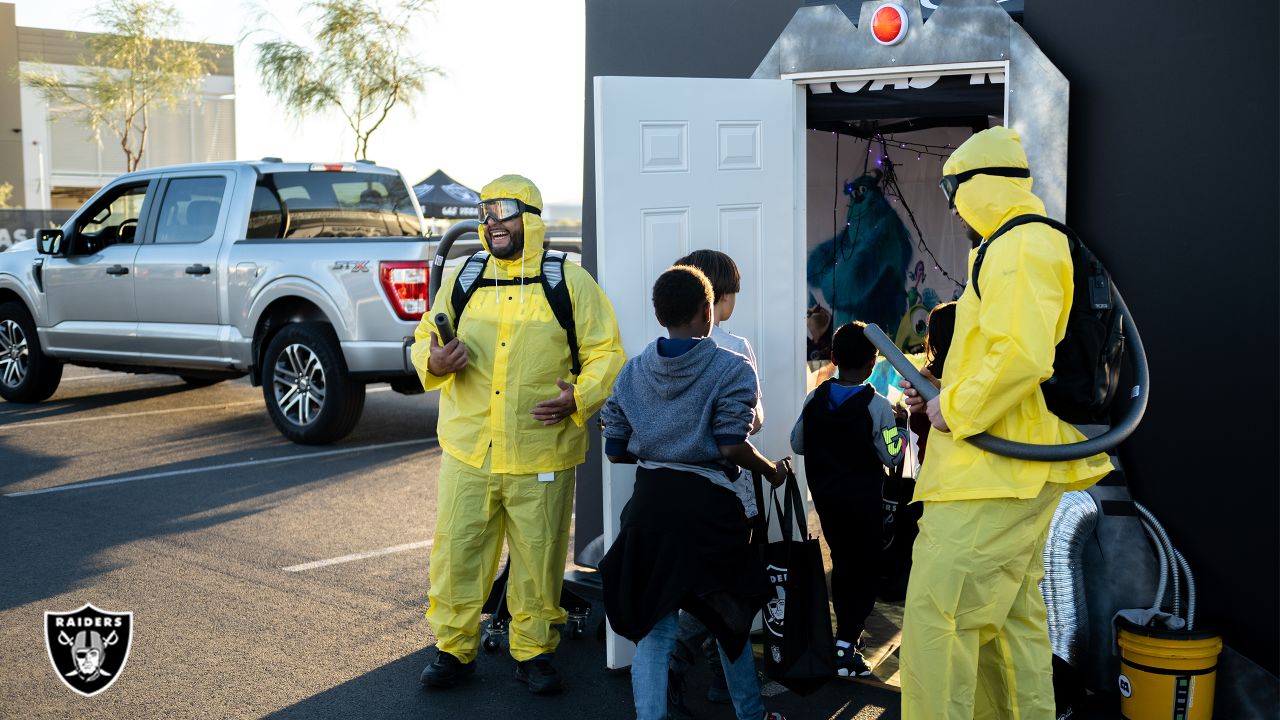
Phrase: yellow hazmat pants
pixel 975 637
pixel 475 510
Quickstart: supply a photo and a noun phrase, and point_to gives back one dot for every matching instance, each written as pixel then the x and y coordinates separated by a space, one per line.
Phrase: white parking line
pixel 358 556
pixel 64 421
pixel 117 416
pixel 227 466
pixel 93 376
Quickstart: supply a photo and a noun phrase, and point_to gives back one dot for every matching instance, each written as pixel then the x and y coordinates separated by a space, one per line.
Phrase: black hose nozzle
pixel 445 327
pixel 1139 396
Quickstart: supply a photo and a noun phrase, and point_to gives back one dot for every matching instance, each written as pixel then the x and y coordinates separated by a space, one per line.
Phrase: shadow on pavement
pixel 85 399
pixel 33 464
pixel 591 692
pixel 37 563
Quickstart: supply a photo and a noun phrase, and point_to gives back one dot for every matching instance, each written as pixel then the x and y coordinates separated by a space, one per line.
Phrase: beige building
pixel 53 160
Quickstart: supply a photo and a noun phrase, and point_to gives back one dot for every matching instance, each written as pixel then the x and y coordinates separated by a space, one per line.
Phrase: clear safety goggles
pixel 502 209
pixel 951 183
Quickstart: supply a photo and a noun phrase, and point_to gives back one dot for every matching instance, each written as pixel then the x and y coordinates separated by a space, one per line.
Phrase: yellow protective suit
pixel 504 472
pixel 974 623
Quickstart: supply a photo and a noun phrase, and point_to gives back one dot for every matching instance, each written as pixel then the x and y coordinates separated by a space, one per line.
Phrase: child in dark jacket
pixel 848 435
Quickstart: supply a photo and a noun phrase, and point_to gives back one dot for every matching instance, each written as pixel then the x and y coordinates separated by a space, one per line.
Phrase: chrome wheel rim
pixel 299 384
pixel 14 354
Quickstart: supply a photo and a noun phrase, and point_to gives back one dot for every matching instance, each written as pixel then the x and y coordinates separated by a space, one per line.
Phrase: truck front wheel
pixel 27 375
pixel 310 396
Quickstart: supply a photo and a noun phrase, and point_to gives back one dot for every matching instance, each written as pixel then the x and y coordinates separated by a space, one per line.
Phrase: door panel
pixel 687 163
pixel 178 270
pixel 90 292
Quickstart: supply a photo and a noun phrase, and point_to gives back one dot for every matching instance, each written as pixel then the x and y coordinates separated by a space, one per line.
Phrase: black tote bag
pixel 900 518
pixel 799 652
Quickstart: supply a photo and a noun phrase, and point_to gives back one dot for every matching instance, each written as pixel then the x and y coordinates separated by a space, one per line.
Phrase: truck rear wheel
pixel 27 375
pixel 310 396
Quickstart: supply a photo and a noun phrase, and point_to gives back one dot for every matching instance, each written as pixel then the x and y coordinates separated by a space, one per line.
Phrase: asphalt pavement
pixel 266 579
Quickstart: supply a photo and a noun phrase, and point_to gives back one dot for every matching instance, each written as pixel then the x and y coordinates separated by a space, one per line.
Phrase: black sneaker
pixel 445 671
pixel 540 675
pixel 850 663
pixel 676 709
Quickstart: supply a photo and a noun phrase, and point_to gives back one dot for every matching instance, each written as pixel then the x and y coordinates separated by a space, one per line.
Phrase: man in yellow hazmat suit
pixel 512 427
pixel 975 640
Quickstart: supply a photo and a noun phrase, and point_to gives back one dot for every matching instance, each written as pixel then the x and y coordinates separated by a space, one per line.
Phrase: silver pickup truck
pixel 310 278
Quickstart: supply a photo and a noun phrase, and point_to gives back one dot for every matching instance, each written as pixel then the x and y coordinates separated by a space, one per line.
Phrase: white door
pixel 689 163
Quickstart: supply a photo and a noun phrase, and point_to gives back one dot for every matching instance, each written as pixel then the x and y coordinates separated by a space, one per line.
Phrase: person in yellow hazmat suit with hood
pixel 975 640
pixel 512 428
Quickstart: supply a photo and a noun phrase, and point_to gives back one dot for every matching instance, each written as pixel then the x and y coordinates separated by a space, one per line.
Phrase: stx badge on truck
pixel 352 265
pixel 88 647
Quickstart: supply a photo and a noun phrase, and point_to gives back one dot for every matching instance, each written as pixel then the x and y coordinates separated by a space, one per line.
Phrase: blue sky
pixel 511 99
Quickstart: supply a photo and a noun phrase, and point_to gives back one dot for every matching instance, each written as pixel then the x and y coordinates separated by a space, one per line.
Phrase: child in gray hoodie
pixel 682 410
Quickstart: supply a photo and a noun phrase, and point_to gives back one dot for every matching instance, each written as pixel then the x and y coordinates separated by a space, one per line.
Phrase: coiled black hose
pixel 436 278
pixel 1138 395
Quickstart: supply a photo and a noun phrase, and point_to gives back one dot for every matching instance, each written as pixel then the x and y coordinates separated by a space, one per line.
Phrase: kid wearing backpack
pixel 848 434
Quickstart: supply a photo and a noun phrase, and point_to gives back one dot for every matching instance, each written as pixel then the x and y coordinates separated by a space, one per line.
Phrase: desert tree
pixel 360 63
pixel 133 66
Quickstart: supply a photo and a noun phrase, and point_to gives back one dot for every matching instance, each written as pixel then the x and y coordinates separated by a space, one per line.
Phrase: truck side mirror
pixel 49 241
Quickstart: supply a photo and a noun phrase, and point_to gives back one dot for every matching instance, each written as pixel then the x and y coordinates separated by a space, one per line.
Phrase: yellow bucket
pixel 1167 673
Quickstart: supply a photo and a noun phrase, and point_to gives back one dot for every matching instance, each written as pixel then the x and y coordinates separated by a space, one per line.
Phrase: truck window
pixel 189 211
pixel 266 214
pixel 303 205
pixel 114 219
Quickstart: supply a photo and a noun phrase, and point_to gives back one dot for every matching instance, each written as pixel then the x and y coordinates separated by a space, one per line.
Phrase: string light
pixel 894 192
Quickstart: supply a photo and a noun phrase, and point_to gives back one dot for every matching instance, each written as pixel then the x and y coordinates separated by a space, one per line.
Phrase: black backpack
pixel 553 286
pixel 1086 364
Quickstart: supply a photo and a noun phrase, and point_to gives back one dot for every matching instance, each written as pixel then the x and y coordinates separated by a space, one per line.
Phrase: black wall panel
pixel 1173 175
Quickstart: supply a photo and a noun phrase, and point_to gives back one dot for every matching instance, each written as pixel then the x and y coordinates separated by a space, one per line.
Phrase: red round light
pixel 889 24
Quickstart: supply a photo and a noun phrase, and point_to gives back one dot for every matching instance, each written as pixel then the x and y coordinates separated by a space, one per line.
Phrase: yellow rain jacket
pixel 515 352
pixel 1004 343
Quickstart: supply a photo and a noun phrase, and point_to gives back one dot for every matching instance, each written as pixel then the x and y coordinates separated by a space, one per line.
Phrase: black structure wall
pixel 1159 106
pixel 1173 178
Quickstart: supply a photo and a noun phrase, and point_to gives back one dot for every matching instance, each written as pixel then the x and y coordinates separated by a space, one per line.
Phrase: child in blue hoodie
pixel 682 410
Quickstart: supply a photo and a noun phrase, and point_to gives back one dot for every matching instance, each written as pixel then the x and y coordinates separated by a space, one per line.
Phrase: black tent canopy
pixel 443 197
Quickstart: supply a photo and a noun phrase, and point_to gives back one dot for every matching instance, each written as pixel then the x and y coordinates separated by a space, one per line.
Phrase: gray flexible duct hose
pixel 1070 530
pixel 1140 393
pixel 1191 590
pixel 456 231
pixel 1169 555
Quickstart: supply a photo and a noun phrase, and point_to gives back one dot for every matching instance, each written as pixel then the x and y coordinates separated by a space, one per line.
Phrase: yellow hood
pixel 522 189
pixel 987 201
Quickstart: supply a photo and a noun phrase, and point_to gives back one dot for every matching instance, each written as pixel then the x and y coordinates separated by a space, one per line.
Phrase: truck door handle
pixel 198 270
pixel 117 270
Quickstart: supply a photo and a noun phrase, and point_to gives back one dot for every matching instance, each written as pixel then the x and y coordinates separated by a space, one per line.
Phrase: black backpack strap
pixel 557 291
pixel 467 283
pixel 1011 224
